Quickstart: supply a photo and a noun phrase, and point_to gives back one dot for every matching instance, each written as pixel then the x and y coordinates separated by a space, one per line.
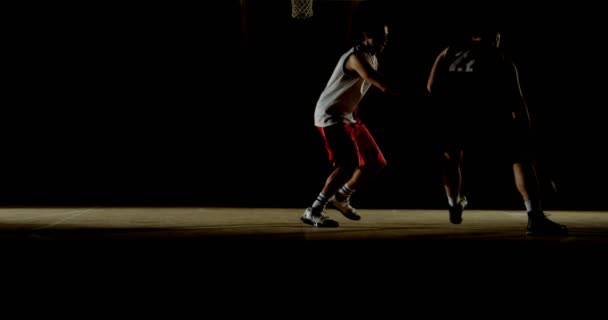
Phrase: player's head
pixel 376 38
pixel 372 30
pixel 486 38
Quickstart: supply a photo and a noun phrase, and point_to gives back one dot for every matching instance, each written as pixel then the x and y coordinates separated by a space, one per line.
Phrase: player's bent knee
pixel 374 166
pixel 347 165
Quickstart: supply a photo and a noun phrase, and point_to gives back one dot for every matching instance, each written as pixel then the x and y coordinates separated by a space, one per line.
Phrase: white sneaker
pixel 318 219
pixel 345 208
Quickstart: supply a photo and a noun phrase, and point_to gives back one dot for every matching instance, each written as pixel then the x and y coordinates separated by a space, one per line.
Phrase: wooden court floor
pixel 248 247
pixel 167 223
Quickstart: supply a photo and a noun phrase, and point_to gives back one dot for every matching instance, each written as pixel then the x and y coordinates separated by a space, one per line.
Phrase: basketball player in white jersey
pixel 352 150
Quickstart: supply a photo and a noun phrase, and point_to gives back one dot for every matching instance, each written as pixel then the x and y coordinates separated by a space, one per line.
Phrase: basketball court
pixel 383 259
pixel 177 153
pixel 234 240
pixel 143 163
pixel 206 223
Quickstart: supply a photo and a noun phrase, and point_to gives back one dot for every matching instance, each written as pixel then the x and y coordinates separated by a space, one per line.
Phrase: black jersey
pixel 477 80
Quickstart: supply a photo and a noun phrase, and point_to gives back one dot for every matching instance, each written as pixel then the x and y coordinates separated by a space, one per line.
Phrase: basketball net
pixel 301 9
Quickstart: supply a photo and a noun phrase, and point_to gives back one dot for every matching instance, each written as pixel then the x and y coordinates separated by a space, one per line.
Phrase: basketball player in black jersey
pixel 475 86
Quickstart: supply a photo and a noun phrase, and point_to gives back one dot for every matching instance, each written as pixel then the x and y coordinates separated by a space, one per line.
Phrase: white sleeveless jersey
pixel 343 93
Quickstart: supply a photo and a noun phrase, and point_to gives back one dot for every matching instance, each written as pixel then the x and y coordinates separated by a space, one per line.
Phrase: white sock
pixel 320 202
pixel 345 192
pixel 532 206
pixel 451 201
pixel 460 199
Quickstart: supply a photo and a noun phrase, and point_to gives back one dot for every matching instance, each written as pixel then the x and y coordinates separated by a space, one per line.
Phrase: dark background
pixel 212 104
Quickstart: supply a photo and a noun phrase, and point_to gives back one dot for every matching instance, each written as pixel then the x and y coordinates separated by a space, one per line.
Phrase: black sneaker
pixel 456 211
pixel 539 224
pixel 318 219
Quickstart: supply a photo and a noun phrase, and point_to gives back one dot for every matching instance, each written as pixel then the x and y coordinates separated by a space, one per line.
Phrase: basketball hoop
pixel 301 9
